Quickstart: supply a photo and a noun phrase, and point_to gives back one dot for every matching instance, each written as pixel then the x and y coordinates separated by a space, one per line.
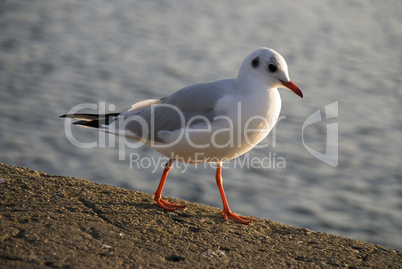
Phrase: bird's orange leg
pixel 158 194
pixel 229 215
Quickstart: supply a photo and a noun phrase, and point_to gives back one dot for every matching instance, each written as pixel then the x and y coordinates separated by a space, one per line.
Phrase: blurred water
pixel 57 54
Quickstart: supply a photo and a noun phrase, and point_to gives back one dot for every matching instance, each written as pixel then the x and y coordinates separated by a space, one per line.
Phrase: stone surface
pixel 65 222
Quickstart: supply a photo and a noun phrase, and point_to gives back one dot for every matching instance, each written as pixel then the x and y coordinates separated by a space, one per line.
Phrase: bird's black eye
pixel 272 68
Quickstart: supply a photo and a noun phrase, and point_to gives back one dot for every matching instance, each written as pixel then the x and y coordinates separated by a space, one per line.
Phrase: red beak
pixel 292 87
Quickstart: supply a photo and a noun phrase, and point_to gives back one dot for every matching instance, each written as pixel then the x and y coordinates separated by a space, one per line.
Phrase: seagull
pixel 207 122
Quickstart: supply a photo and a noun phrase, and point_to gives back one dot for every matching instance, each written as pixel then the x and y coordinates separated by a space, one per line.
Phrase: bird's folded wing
pixel 187 107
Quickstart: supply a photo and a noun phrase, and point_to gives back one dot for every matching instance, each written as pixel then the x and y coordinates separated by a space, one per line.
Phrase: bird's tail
pixel 97 121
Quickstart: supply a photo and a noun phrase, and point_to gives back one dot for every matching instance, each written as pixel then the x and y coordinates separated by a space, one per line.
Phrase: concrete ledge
pixel 65 222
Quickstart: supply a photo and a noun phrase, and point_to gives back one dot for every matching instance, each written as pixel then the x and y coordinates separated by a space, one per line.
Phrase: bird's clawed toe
pixel 167 205
pixel 230 216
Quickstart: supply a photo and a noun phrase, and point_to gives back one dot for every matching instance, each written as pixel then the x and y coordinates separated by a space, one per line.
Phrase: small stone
pixel 213 254
pixel 104 246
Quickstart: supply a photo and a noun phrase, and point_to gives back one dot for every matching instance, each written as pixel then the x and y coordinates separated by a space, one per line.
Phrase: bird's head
pixel 269 67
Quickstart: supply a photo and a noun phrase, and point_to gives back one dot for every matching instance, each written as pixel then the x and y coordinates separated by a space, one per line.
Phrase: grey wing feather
pixel 189 106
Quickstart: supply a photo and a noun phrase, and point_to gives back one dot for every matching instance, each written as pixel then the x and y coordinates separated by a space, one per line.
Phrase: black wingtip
pixel 89 124
pixel 91 120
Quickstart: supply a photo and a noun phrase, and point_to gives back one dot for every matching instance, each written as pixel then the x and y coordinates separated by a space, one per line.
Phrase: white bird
pixel 206 122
